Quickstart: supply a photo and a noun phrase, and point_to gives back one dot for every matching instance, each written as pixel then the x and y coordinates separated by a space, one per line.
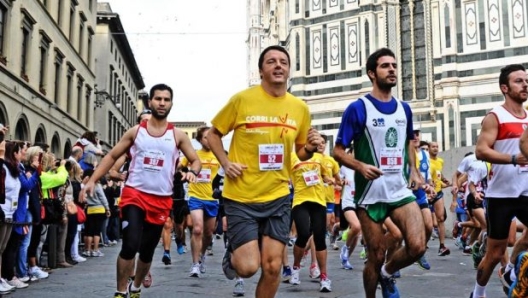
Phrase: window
pixel 44 52
pixel 81 36
pixel 88 106
pixel 58 68
pixel 3 16
pixel 59 12
pixel 90 43
pixel 24 52
pixel 111 80
pixel 80 83
pixel 112 46
pixel 72 21
pixel 69 86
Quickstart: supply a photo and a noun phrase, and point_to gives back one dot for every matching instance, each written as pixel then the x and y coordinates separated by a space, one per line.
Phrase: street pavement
pixel 450 276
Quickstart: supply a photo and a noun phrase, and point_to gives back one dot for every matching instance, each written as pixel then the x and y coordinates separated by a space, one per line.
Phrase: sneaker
pixel 229 271
pixel 286 274
pixel 388 287
pixel 422 262
pixel 335 246
pixel 482 249
pixel 291 242
pixel 238 290
pixel 79 259
pixel 6 285
pixel 443 251
pixel 120 295
pixel 344 254
pixel 97 253
pixel 456 229
pixel 17 283
pixel 295 277
pixel 180 249
pixel 363 254
pixel 460 243
pixel 314 271
pixel 38 273
pixel 475 255
pixel 467 250
pixel 304 257
pixel 218 236
pixel 147 281
pixel 166 259
pixel 195 270
pixel 519 288
pixel 184 248
pixel 396 274
pixel 202 264
pixel 505 278
pixel 434 234
pixel 325 285
pixel 87 253
pixel 209 251
pixel 25 279
pixel 4 290
pixel 346 265
pixel 133 294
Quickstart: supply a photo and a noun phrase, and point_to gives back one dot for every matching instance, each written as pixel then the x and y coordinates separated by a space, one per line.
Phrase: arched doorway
pixel 55 145
pixel 22 129
pixel 40 136
pixel 3 115
pixel 67 148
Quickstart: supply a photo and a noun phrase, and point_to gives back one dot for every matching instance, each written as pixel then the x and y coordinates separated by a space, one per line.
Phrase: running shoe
pixel 295 277
pixel 475 255
pixel 133 294
pixel 443 251
pixel 422 262
pixel 314 271
pixel 325 285
pixel 344 254
pixel 180 249
pixel 120 295
pixel 505 278
pixel 238 290
pixel 229 271
pixel 519 287
pixel 346 265
pixel 286 273
pixel 195 270
pixel 202 264
pixel 147 281
pixel 166 259
pixel 388 287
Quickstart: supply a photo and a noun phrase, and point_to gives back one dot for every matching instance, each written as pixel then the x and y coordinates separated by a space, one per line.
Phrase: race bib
pixel 153 161
pixel 204 176
pixel 271 157
pixel 523 169
pixel 311 178
pixel 391 160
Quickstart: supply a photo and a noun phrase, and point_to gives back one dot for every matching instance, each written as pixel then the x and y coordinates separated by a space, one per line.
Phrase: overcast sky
pixel 196 47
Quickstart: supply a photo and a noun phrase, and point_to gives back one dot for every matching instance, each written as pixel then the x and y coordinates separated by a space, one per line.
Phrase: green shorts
pixel 378 212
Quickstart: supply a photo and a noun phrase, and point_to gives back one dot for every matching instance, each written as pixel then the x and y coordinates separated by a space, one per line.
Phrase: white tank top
pixel 508 181
pixel 383 145
pixel 153 161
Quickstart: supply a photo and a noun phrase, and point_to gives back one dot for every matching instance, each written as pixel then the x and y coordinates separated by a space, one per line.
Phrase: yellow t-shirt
pixel 307 178
pixel 332 168
pixel 436 172
pixel 203 187
pixel 265 131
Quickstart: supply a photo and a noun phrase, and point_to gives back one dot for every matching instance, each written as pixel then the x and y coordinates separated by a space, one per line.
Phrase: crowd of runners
pixel 278 186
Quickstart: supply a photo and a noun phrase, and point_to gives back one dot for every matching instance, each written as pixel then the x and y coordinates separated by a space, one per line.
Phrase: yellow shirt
pixel 436 172
pixel 203 187
pixel 332 168
pixel 265 131
pixel 307 178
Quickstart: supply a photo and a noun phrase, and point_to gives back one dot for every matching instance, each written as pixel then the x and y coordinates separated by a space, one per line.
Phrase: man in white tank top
pixel 507 193
pixel 381 128
pixel 146 200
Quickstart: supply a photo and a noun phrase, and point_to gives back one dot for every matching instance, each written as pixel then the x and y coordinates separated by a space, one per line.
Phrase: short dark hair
pixel 144 112
pixel 507 70
pixel 424 143
pixel 160 87
pixel 372 61
pixel 325 137
pixel 200 132
pixel 276 48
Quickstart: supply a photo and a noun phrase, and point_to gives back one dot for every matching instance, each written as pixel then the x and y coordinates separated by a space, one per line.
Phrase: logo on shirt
pixel 378 122
pixel 391 137
pixel 401 122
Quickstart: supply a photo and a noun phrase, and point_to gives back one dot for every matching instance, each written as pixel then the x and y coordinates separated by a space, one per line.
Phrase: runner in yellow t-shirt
pixel 202 205
pixel 267 122
pixel 439 182
pixel 309 213
pixel 332 167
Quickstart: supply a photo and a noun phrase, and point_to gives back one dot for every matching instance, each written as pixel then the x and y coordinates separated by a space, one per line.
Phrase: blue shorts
pixel 421 198
pixel 210 208
pixel 330 208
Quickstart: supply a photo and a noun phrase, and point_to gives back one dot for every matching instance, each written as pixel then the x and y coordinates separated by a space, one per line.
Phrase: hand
pixel 122 176
pixel 415 180
pixel 88 190
pixel 454 190
pixel 108 213
pixel 314 138
pixel 453 206
pixel 28 174
pixel 189 177
pixel 4 129
pixel 370 172
pixel 329 180
pixel 233 170
pixel 521 160
pixel 338 187
pixel 478 197
pixel 63 162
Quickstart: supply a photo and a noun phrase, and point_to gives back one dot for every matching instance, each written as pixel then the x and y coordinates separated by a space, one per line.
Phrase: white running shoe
pixel 97 253
pixel 38 273
pixel 344 254
pixel 314 271
pixel 6 285
pixel 79 259
pixel 202 264
pixel 295 279
pixel 326 285
pixel 17 283
pixel 195 270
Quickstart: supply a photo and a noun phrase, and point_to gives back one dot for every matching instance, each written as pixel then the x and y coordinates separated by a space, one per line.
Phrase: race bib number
pixel 153 161
pixel 391 160
pixel 311 178
pixel 204 176
pixel 271 157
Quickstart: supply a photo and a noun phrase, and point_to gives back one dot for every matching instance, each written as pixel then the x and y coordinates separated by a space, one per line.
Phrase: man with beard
pixel 507 193
pixel 146 200
pixel 380 126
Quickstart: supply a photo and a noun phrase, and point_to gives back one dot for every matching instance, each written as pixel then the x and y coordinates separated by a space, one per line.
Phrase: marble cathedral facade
pixel 449 52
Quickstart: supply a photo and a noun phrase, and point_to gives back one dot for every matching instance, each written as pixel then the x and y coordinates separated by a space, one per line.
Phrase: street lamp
pixel 101 96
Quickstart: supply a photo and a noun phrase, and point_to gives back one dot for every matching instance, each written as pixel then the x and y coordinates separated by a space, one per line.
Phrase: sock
pixel 133 288
pixel 167 251
pixel 285 267
pixel 178 241
pixel 479 291
pixel 384 272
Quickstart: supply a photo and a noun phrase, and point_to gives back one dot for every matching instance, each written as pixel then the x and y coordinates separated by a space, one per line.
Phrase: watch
pixel 195 174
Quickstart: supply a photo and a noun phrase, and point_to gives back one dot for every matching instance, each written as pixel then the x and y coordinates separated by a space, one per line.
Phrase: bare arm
pixel 214 137
pixel 186 147
pixel 114 171
pixel 312 142
pixel 370 172
pixel 523 144
pixel 486 140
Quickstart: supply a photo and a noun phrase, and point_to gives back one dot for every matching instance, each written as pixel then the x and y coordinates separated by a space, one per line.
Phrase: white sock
pixel 479 291
pixel 133 288
pixel 384 272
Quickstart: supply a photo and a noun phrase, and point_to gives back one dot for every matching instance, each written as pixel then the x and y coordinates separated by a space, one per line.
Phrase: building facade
pixel 118 79
pixel 47 70
pixel 449 54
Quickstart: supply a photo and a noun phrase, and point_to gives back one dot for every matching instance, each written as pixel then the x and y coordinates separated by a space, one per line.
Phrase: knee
pixel 272 267
pixel 246 268
pixel 301 241
pixel 197 231
pixel 128 252
pixel 415 249
pixel 354 229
